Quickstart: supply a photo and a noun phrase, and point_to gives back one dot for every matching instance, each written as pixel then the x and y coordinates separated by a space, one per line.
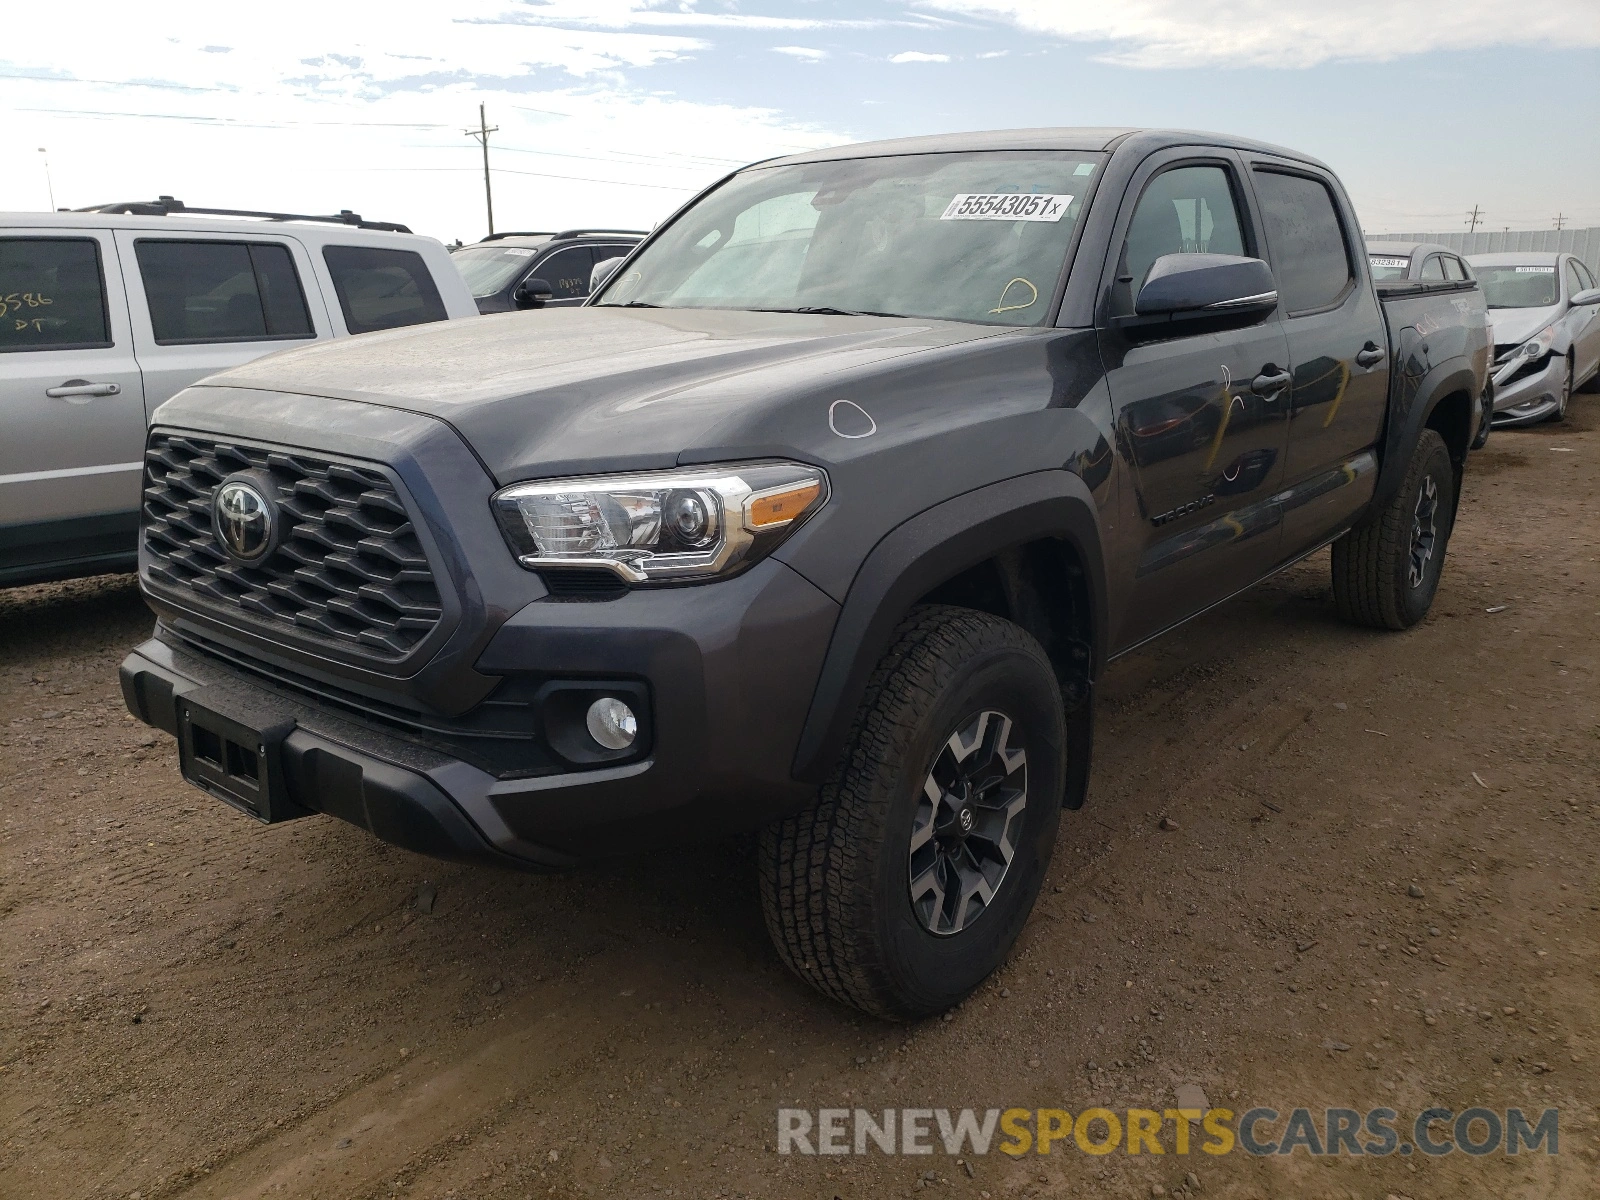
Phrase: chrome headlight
pixel 1535 347
pixel 660 526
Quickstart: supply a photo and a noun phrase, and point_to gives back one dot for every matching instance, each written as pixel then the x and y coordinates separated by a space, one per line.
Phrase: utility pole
pixel 49 187
pixel 1560 220
pixel 1473 218
pixel 482 133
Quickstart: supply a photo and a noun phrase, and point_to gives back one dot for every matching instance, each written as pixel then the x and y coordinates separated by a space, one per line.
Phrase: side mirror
pixel 604 270
pixel 1198 286
pixel 1586 297
pixel 531 293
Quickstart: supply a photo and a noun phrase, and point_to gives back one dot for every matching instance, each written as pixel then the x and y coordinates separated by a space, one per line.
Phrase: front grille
pixel 348 569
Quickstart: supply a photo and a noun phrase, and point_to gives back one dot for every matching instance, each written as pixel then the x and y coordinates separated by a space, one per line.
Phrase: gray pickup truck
pixel 821 519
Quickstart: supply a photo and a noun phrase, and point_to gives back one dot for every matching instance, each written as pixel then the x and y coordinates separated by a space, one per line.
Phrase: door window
pixel 52 295
pixel 382 289
pixel 1310 256
pixel 567 272
pixel 202 292
pixel 1454 268
pixel 1584 276
pixel 1574 280
pixel 1186 210
pixel 1432 268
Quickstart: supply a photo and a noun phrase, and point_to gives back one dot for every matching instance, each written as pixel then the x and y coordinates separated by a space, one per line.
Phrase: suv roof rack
pixel 495 237
pixel 163 205
pixel 566 233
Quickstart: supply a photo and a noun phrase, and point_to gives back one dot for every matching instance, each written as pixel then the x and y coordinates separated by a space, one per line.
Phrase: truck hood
pixel 595 389
pixel 1513 325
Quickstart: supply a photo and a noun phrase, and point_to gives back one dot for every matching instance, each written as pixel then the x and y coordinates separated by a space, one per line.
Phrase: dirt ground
pixel 198 1006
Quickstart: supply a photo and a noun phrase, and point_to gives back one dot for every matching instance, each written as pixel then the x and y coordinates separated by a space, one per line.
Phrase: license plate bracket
pixel 240 762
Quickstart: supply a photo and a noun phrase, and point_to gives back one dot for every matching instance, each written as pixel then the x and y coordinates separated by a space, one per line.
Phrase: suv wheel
pixel 907 882
pixel 1386 570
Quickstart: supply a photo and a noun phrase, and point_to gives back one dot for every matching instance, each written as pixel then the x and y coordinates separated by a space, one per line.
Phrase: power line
pixel 1473 218
pixel 1560 220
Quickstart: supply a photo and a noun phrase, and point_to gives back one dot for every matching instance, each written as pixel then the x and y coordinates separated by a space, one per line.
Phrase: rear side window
pixel 1454 268
pixel 1309 255
pixel 52 295
pixel 382 289
pixel 202 292
pixel 567 272
pixel 1432 268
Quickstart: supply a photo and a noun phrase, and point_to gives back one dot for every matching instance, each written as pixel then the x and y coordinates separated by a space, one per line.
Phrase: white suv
pixel 106 313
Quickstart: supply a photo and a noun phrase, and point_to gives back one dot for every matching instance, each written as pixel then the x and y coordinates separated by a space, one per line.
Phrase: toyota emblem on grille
pixel 245 520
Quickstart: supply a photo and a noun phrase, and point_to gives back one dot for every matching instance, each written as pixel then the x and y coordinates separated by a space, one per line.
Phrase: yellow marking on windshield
pixel 1004 307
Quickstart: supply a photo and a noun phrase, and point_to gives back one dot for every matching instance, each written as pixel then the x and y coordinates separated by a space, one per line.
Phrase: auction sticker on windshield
pixel 1536 270
pixel 1006 206
pixel 1390 262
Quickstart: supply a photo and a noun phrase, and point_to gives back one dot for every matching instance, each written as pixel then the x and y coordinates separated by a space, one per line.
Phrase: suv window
pixel 52 294
pixel 567 272
pixel 1433 268
pixel 382 289
pixel 221 291
pixel 1185 210
pixel 1309 254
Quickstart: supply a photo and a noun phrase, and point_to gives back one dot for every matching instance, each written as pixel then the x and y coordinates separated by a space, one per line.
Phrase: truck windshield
pixel 1523 286
pixel 1389 266
pixel 487 269
pixel 965 237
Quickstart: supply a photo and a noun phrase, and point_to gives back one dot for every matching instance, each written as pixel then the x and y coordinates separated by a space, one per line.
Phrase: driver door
pixel 1201 419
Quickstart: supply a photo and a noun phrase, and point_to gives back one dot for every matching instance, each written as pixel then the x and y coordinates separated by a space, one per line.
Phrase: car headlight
pixel 1535 347
pixel 660 526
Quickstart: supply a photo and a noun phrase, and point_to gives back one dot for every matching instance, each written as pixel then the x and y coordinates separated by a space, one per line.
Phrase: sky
pixel 615 112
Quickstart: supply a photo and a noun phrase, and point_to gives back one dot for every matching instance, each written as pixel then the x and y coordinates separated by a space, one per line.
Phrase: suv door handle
pixel 1270 382
pixel 74 388
pixel 1369 356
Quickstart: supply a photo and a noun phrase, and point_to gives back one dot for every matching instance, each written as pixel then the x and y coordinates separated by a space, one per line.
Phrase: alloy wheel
pixel 1424 529
pixel 965 830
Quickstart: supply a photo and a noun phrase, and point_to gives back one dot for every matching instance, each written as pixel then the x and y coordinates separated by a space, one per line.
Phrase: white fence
pixel 1585 243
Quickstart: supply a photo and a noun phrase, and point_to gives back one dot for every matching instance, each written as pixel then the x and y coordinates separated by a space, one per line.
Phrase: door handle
pixel 1369 356
pixel 1270 382
pixel 73 388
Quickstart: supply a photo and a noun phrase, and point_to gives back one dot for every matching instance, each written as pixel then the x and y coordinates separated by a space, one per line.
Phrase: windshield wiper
pixel 630 304
pixel 823 310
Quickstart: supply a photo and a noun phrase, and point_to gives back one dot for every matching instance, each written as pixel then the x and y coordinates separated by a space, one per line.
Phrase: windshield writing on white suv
pixel 1518 286
pixel 965 237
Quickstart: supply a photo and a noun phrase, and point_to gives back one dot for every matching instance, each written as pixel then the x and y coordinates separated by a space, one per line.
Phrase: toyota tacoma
pixel 820 520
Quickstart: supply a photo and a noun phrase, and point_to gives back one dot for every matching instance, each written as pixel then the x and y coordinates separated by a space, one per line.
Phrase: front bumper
pixel 729 669
pixel 1531 397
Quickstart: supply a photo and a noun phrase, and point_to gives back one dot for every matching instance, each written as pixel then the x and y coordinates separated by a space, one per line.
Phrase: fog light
pixel 611 723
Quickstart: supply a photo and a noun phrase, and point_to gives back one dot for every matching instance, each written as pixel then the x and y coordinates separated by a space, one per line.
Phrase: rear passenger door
pixel 202 303
pixel 1200 418
pixel 1585 323
pixel 72 414
pixel 1338 348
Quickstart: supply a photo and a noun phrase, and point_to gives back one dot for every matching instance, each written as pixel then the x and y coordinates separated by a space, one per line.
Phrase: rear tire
pixel 887 899
pixel 1386 570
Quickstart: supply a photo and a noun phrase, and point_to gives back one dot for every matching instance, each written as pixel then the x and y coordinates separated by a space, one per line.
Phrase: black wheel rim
pixel 1424 529
pixel 968 818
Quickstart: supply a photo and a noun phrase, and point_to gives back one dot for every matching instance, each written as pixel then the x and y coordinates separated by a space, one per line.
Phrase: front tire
pixel 1564 396
pixel 907 882
pixel 1386 570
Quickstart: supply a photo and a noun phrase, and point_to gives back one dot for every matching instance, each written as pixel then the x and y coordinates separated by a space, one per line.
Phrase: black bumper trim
pixel 395 802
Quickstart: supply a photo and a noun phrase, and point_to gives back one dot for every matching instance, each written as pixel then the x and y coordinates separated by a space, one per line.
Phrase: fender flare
pixel 918 555
pixel 1407 423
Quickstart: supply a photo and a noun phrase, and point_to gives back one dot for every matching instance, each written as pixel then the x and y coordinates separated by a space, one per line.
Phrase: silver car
pixel 1546 313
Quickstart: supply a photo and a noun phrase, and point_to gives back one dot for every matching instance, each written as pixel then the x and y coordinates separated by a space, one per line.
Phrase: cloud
pixel 805 53
pixel 917 56
pixel 1290 33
